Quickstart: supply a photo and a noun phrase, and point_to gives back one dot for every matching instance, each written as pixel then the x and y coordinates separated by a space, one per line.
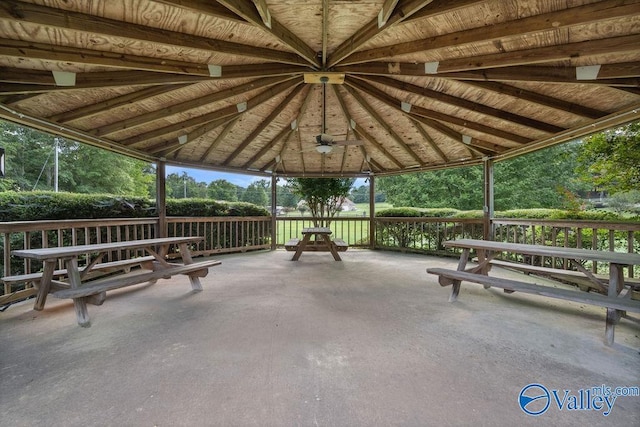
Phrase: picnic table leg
pixel 186 258
pixel 462 263
pixel 616 280
pixel 45 284
pixel 301 246
pixel 80 304
pixel 332 247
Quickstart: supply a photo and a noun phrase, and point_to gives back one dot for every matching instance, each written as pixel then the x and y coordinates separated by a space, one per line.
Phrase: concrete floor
pixel 368 341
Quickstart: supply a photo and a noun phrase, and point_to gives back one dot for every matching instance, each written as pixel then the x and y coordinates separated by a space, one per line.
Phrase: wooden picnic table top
pixel 72 251
pixel 316 230
pixel 622 258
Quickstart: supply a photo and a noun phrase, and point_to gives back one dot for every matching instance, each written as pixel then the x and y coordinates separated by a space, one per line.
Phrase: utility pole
pixel 55 160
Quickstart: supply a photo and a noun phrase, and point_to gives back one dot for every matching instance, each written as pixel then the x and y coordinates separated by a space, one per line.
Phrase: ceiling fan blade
pixel 349 142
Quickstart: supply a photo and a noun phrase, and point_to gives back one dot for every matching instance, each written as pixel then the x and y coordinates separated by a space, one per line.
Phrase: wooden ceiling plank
pixel 542 55
pixel 285 131
pixel 430 141
pixel 208 7
pixel 580 15
pixel 530 96
pixel 378 118
pixel 185 106
pixel 263 125
pixel 48 17
pixel 230 110
pixel 417 110
pixel 401 12
pixel 113 103
pixel 475 147
pixel 464 103
pixel 253 12
pixel 362 133
pixel 221 136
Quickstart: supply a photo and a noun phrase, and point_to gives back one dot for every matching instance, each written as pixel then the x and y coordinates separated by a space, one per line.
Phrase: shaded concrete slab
pixel 367 341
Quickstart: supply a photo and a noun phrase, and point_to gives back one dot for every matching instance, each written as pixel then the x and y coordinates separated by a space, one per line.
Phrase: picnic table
pixel 81 290
pixel 325 243
pixel 615 301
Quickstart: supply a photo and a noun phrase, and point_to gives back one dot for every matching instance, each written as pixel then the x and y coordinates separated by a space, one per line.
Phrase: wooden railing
pixel 354 231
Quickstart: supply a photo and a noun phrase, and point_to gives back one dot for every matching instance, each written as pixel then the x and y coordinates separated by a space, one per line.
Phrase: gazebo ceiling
pixel 239 85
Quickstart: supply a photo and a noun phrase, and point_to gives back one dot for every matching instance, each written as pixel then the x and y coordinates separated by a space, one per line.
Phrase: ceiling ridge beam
pixel 401 12
pixel 230 110
pixel 258 14
pixel 579 15
pixel 466 104
pixel 417 110
pixel 185 106
pixel 57 18
pixel 263 125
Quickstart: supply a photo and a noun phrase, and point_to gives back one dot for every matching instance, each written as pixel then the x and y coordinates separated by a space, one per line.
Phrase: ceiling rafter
pixel 50 17
pixel 417 110
pixel 256 12
pixel 221 136
pixel 399 13
pixel 360 132
pixel 430 140
pixel 378 118
pixel 266 122
pixel 185 106
pixel 205 118
pixel 95 80
pixel 209 7
pixel 538 98
pixel 113 103
pixel 442 6
pixel 580 15
pixel 465 103
pixel 325 31
pixel 475 147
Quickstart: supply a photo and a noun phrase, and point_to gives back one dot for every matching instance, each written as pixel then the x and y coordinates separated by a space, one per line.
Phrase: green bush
pixel 207 208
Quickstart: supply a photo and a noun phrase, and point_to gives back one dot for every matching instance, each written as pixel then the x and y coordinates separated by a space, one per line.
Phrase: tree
pixel 184 186
pixel 324 196
pixel 256 194
pixel 611 159
pixel 221 189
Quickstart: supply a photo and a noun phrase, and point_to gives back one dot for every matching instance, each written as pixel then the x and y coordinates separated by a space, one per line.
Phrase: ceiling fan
pixel 325 141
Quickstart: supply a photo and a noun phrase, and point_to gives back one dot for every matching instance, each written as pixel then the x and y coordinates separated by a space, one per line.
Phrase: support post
pixel 161 199
pixel 274 204
pixel 372 212
pixel 488 209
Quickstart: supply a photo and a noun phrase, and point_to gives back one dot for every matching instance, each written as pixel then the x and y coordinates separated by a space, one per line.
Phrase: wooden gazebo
pixel 320 87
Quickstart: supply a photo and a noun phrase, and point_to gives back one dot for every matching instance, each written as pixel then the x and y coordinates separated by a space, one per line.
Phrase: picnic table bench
pixel 79 289
pixel 326 244
pixel 615 300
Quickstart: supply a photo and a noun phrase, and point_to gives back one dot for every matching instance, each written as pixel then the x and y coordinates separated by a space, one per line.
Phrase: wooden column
pixel 372 214
pixel 161 199
pixel 274 204
pixel 488 209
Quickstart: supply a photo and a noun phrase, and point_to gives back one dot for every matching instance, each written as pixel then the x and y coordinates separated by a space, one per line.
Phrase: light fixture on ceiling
pixel 324 149
pixel 182 139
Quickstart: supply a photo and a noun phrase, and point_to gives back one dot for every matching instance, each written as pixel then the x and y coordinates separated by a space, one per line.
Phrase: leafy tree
pixel 184 186
pixel 611 159
pixel 285 197
pixel 323 196
pixel 221 189
pixel 256 194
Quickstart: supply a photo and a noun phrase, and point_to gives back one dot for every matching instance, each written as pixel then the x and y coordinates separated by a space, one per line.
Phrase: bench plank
pixel 619 303
pixel 122 281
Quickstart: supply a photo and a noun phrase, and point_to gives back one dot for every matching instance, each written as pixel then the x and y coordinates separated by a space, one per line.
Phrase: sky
pixel 201 175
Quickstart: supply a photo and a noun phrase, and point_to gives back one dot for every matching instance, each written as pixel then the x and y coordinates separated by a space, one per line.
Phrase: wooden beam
pixel 185 106
pixel 263 10
pixel 325 31
pixel 466 104
pixel 252 12
pixel 275 112
pixel 530 96
pixel 47 17
pixel 113 103
pixel 209 117
pixel 208 7
pixel 385 13
pixel 475 147
pixel 378 118
pixel 417 110
pixel 440 7
pixel 425 135
pixel 580 15
pixel 402 11
pixel 221 136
